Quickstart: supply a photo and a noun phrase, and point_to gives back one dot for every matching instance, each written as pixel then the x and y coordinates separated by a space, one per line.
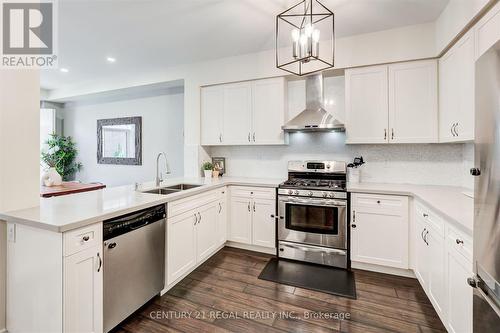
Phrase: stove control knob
pixel 328 166
pixel 325 194
pixel 332 195
pixel 296 192
pixel 310 193
pixel 290 192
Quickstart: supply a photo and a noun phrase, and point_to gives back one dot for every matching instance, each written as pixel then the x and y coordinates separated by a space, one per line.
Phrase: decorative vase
pixel 208 173
pixel 51 178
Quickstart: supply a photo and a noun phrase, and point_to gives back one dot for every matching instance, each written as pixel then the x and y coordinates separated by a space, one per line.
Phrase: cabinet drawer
pixel 183 205
pixel 459 242
pixel 81 239
pixel 428 216
pixel 253 192
pixel 380 203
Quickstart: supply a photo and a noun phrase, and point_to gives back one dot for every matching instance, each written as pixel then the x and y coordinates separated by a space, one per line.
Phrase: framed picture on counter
pixel 219 163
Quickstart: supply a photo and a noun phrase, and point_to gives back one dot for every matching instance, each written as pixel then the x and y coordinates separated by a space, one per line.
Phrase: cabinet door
pixel 83 291
pixel 421 257
pixel 206 231
pixel 181 244
pixel 212 106
pixel 448 100
pixel 380 235
pixel 413 102
pixel 366 105
pixel 237 120
pixel 264 223
pixel 222 220
pixel 436 257
pixel 465 94
pixel 268 111
pixel 487 30
pixel 459 293
pixel 240 222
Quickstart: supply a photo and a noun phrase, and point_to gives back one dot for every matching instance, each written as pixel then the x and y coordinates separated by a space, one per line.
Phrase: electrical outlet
pixel 11 232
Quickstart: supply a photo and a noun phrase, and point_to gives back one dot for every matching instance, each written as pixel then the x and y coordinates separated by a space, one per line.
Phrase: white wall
pixel 19 151
pixel 456 15
pixel 162 131
pixel 437 164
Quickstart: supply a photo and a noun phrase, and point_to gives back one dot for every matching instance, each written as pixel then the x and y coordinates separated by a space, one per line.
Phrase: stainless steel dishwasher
pixel 134 262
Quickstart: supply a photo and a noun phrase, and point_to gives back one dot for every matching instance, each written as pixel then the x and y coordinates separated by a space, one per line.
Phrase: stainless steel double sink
pixel 172 189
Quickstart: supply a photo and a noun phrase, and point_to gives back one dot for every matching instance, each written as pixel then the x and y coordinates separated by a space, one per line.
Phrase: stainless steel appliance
pixel 486 282
pixel 134 262
pixel 312 210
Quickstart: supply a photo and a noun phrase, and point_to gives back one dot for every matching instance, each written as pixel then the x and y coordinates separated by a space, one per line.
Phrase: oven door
pixel 313 221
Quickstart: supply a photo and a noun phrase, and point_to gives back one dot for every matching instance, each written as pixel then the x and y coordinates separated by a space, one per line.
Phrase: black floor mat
pixel 326 279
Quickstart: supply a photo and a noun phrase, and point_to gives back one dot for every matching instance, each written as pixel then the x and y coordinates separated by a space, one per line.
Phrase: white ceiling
pixel 150 35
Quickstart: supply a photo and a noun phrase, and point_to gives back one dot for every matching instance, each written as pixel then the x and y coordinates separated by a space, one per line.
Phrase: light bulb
pixel 303 40
pixel 315 35
pixel 295 35
pixel 308 30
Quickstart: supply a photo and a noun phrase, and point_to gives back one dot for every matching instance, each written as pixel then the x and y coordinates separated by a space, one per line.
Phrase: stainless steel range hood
pixel 314 118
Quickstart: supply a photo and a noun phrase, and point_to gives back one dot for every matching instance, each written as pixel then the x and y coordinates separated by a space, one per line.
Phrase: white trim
pixel 3 330
pixel 382 269
pixel 250 247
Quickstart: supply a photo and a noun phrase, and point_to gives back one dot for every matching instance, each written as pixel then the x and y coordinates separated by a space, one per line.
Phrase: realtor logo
pixel 28 34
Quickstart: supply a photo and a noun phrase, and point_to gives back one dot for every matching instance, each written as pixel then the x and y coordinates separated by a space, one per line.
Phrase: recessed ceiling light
pixel 111 59
pixel 64 70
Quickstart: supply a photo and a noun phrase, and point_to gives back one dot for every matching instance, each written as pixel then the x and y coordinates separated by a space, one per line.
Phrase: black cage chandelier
pixel 305 38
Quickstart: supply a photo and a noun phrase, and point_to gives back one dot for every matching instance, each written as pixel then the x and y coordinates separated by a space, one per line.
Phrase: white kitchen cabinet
pixel 456 91
pixel 83 291
pixel 264 223
pixel 413 102
pixel 392 103
pixel 459 314
pixel 244 113
pixel 366 104
pixel 251 216
pixel 181 244
pixel 237 114
pixel 240 221
pixel 487 31
pixel 206 231
pixel 212 104
pixel 268 116
pixel 421 268
pixel 379 230
pixel 222 217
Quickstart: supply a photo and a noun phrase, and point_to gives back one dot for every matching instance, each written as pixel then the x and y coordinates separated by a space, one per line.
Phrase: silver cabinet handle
pixel 248 136
pixel 249 206
pixel 100 262
pixel 220 137
pixel 353 226
pixel 392 133
pixel 455 129
pixel 422 234
pixel 425 238
pixel 199 217
pixel 451 129
pixel 425 215
pixel 195 219
pixel 253 136
pixel 254 206
pixel 85 238
pixel 385 133
pixel 220 207
pixel 353 216
pixel 459 241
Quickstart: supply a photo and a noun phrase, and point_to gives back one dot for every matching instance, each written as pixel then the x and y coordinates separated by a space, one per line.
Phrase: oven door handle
pixel 314 202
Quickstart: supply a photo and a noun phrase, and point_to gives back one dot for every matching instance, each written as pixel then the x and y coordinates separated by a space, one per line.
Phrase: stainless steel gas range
pixel 313 209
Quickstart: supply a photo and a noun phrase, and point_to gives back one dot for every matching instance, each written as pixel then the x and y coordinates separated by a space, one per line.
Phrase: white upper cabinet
pixel 487 31
pixel 237 114
pixel 392 103
pixel 212 103
pixel 244 113
pixel 456 92
pixel 413 102
pixel 268 111
pixel 366 104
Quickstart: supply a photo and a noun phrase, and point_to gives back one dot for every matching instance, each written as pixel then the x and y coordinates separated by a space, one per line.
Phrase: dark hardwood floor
pixel 225 295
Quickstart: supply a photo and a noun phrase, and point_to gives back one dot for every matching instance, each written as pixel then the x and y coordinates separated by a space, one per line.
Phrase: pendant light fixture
pixel 305 38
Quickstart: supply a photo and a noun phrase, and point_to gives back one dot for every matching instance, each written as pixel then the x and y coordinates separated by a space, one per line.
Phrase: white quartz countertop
pixel 448 201
pixel 64 213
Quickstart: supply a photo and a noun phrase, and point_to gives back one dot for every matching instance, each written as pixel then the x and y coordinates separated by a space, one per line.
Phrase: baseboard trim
pixel 249 247
pixel 383 269
pixel 3 330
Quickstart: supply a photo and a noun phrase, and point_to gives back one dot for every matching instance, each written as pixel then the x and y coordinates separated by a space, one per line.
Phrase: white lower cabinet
pixel 83 291
pixel 222 217
pixel 191 238
pixel 379 230
pixel 252 213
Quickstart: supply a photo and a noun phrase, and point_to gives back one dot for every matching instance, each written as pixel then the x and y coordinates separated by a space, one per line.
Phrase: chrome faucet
pixel 159 178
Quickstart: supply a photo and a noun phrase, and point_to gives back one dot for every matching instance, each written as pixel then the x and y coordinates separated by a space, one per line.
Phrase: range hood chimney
pixel 314 118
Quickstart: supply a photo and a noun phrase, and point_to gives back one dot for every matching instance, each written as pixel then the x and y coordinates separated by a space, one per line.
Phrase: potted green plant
pixel 59 159
pixel 207 169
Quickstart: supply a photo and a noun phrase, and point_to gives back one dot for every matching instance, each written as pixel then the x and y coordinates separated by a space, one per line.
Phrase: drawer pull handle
pixel 378 201
pixel 86 238
pixel 459 241
pixel 425 215
pixel 353 225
